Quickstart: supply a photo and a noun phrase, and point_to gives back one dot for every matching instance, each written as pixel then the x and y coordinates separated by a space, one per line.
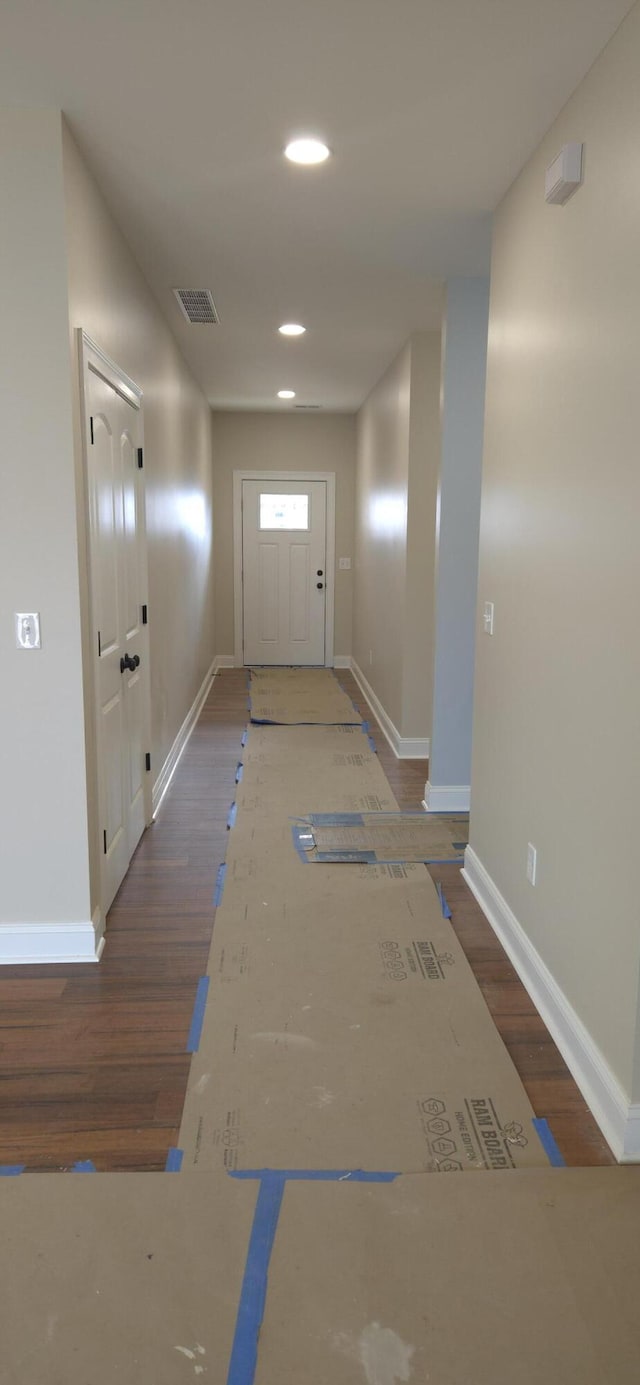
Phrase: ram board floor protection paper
pixel 343 1027
pixel 291 696
pixel 516 1279
pixel 382 838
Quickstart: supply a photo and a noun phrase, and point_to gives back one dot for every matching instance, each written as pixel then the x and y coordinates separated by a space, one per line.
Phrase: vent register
pixel 197 305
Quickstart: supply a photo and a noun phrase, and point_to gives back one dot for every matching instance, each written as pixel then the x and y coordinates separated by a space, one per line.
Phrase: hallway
pixel 94 1058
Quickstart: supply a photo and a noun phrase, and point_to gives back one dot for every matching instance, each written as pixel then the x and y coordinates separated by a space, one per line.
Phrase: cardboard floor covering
pixel 291 696
pixel 343 1026
pixel 517 1279
pixel 382 838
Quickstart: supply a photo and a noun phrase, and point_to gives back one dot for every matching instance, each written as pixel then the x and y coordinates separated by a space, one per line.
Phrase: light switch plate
pixel 488 617
pixel 27 627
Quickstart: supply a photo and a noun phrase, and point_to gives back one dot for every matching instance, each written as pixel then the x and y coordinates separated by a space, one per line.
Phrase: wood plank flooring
pixel 92 1058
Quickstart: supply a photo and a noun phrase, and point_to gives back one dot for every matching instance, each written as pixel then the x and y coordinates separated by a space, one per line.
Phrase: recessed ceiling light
pixel 292 329
pixel 307 151
pixel 286 394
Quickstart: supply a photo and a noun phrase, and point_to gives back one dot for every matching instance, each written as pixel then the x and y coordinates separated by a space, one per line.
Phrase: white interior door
pixel 118 581
pixel 284 569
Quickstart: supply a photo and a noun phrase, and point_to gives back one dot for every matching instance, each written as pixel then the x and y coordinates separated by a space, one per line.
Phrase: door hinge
pixel 99 645
pixel 140 458
pixel 91 428
pixel 145 616
pixel 147 761
pixel 104 839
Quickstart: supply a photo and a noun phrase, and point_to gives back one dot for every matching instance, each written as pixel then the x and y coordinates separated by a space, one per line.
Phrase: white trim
pixel 405 747
pixel 619 1121
pixel 171 763
pixel 43 943
pixel 446 798
pixel 223 661
pixel 329 477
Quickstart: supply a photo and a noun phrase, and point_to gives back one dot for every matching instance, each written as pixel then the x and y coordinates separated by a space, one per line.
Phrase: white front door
pixel 118 582
pixel 284 571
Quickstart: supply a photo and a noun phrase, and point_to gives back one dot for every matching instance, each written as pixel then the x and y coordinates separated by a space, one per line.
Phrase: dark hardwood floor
pixel 92 1058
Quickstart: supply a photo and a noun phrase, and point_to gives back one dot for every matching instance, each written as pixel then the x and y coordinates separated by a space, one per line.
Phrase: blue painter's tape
pixel 336 819
pixel 244 738
pixel 239 772
pixel 548 1143
pixel 446 912
pixel 244 1352
pixel 459 846
pixel 299 834
pixel 372 744
pixel 365 727
pixel 253 1295
pixel 219 890
pixel 84 1166
pixel 233 813
pixel 193 1041
pixel 174 1160
pixel 11 1170
pixel 318 1175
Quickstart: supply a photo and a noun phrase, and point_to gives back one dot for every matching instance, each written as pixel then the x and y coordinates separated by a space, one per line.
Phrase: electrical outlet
pixel 532 863
pixel 488 617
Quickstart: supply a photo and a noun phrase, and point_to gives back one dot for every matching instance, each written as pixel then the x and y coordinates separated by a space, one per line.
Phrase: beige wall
pixel 396 490
pixel 281 442
pixel 44 868
pixel 111 301
pixel 557 722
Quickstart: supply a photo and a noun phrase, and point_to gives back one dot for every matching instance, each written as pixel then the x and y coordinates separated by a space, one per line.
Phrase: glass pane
pixel 284 511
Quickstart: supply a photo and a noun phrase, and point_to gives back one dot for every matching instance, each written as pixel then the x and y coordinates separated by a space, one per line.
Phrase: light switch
pixel 488 617
pixel 27 626
pixel 344 563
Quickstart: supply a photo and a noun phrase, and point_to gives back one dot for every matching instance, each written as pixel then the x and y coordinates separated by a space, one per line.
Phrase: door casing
pixel 329 477
pixel 93 359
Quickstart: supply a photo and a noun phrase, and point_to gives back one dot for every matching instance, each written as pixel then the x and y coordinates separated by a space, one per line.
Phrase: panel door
pixel 118 593
pixel 284 571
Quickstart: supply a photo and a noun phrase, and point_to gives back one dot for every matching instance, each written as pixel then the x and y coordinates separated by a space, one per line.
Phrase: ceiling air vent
pixel 197 305
pixel 307 406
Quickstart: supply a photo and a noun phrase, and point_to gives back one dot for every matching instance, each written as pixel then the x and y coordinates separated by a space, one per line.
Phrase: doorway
pixel 119 610
pixel 284 559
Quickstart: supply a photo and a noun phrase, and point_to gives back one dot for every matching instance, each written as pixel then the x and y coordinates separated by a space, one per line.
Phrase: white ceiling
pixel 182 108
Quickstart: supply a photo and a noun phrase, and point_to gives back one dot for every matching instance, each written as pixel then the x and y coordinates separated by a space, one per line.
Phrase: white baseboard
pixel 446 798
pixel 170 765
pixel 223 661
pixel 619 1121
pixel 405 747
pixel 40 944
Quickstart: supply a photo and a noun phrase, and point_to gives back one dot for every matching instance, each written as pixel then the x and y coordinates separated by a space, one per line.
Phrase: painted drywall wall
pixel 396 488
pixel 44 865
pixel 110 300
pixel 557 720
pixel 286 442
pixel 464 360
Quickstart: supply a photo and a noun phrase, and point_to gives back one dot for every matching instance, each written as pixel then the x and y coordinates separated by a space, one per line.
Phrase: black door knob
pixel 128 662
pixel 320 572
pixel 319 585
pixel 136 660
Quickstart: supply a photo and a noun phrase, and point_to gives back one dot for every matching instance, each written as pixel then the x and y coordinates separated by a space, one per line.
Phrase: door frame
pixel 329 477
pixel 94 360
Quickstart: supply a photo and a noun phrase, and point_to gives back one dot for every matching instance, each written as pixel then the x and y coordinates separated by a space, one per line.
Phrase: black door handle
pixel 320 573
pixel 130 663
pixel 319 585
